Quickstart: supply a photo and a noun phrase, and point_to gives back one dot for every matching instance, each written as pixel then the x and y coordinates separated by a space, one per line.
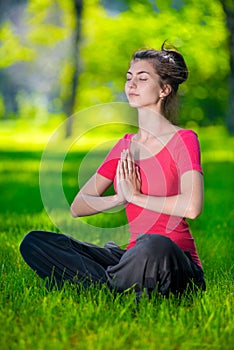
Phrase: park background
pixel 63 58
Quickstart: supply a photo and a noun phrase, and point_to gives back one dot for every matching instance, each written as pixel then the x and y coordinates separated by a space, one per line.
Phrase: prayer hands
pixel 128 177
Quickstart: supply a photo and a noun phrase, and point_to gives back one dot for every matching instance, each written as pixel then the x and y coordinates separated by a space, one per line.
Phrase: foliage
pixel 197 29
pixel 190 29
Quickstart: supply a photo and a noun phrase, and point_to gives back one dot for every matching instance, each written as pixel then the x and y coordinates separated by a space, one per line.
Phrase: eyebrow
pixel 142 71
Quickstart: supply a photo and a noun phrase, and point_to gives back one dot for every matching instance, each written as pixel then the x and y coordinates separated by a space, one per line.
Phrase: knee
pixel 27 243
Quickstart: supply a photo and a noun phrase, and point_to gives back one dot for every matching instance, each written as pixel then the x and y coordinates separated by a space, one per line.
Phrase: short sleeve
pixel 187 152
pixel 109 165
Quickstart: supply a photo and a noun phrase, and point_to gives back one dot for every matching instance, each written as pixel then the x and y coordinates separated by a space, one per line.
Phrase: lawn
pixel 33 318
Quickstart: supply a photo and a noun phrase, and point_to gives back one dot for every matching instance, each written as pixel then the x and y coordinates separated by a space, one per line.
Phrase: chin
pixel 134 104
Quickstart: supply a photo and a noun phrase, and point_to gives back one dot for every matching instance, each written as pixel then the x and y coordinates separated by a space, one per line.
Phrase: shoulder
pixel 128 136
pixel 183 138
pixel 185 133
pixel 185 141
pixel 187 146
pixel 125 140
pixel 187 136
pixel 187 151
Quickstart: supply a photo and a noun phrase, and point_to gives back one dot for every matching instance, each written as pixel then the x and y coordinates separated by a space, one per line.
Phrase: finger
pixel 129 155
pixel 122 169
pixel 123 164
pixel 123 154
pixel 138 174
pixel 129 163
pixel 123 158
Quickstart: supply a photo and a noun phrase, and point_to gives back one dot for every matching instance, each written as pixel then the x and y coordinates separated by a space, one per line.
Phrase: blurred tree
pixel 111 37
pixel 32 54
pixel 228 6
pixel 43 53
pixel 11 48
pixel 75 59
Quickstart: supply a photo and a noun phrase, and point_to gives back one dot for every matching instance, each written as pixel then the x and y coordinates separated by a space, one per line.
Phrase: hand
pixel 128 177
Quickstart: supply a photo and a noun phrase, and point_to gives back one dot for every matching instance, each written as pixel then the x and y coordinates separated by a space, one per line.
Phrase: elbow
pixel 72 211
pixel 193 212
pixel 75 208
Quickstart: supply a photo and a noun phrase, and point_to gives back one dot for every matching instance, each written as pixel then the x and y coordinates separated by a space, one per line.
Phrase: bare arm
pixel 89 199
pixel 186 204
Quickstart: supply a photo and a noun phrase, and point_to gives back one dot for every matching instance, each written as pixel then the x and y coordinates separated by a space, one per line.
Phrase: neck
pixel 152 123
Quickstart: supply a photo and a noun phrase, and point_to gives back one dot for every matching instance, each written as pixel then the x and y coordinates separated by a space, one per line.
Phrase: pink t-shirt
pixel 160 176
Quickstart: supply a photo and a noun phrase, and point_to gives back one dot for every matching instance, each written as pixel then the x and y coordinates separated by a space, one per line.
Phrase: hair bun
pixel 172 56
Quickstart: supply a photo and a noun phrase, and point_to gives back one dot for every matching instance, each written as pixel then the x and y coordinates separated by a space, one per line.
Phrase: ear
pixel 166 90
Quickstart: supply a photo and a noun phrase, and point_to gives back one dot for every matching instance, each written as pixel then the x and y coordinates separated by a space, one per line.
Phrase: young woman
pixel 157 175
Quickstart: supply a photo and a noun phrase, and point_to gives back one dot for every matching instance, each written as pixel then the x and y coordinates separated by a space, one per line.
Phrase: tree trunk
pixel 70 103
pixel 228 6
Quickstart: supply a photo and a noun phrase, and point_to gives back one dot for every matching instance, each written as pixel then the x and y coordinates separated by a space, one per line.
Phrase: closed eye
pixel 128 78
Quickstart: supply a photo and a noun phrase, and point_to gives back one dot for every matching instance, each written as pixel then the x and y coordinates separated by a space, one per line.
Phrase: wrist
pixel 119 200
pixel 135 198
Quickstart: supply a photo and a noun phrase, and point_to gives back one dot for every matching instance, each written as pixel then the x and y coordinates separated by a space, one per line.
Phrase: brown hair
pixel 169 64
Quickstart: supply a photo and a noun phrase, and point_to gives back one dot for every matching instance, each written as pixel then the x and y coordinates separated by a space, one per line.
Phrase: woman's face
pixel 142 86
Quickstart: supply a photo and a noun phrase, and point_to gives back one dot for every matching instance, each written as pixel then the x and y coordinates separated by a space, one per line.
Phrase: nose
pixel 132 83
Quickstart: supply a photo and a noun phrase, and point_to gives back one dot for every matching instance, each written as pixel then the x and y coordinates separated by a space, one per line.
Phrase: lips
pixel 132 94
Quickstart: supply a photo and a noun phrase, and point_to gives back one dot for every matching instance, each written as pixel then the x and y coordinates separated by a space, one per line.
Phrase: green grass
pixel 33 318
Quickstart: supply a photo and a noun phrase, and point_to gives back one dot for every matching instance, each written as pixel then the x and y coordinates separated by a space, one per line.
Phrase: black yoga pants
pixel 154 263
